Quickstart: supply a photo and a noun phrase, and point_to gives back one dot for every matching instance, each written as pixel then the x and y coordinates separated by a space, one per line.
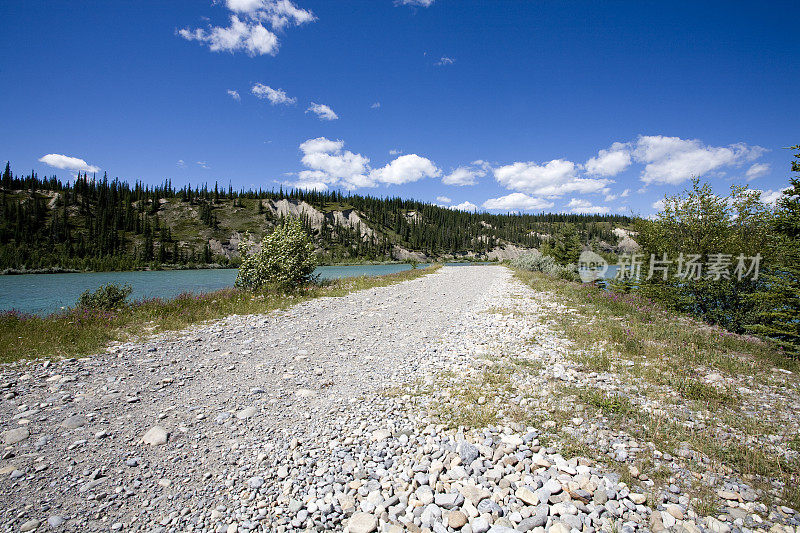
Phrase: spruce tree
pixel 779 301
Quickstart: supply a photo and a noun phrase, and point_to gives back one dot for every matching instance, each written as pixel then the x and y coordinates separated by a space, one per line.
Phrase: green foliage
pixel 699 222
pixel 778 301
pixel 565 246
pixel 536 261
pixel 105 298
pixel 286 258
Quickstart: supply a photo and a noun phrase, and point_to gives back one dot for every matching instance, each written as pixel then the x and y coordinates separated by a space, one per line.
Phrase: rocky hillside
pixel 98 224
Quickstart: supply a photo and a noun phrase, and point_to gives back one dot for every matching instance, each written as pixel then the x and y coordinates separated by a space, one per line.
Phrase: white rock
pixel 156 436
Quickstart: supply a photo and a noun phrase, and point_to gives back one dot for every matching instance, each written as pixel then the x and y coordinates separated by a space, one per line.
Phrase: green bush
pixel 286 259
pixel 535 261
pixel 106 297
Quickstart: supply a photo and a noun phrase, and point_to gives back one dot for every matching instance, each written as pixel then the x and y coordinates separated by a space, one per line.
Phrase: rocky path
pixel 322 417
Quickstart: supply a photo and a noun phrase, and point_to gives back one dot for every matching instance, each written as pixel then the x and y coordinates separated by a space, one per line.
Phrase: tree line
pixel 98 223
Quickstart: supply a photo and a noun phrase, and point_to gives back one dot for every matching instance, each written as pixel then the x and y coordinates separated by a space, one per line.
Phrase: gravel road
pixel 226 394
pixel 327 416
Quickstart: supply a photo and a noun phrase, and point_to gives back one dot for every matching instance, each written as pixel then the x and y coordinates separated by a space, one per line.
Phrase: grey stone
pixel 13 436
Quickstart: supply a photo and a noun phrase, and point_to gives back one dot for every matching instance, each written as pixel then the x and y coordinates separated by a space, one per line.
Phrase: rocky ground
pixel 391 409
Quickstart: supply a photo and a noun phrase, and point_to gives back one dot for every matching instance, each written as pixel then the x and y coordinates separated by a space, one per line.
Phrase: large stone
pixel 247 412
pixel 558 527
pixel 675 510
pixel 717 526
pixel 479 525
pixel 527 495
pixel 380 434
pixel 156 436
pixel 74 422
pixel 446 500
pixel 30 525
pixel 456 519
pixel 637 498
pixel 424 494
pixel 13 436
pixel 474 494
pixel 362 523
pixel 468 452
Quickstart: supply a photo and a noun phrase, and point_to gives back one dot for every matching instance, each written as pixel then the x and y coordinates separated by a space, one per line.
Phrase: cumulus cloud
pixel 672 160
pixel 419 3
pixel 756 171
pixel 770 197
pixel 445 61
pixel 246 31
pixel 66 162
pixel 234 94
pixel 328 164
pixel 464 206
pixel 551 180
pixel 517 201
pixel 406 169
pixel 275 96
pixel 466 175
pixel 659 205
pixel 322 111
pixel 443 199
pixel 585 207
pixel 609 162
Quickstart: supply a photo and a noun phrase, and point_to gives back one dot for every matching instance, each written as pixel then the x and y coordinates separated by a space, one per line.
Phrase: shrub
pixel 535 261
pixel 286 258
pixel 106 297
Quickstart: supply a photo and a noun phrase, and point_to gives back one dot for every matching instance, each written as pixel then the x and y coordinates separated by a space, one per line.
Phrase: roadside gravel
pixel 321 417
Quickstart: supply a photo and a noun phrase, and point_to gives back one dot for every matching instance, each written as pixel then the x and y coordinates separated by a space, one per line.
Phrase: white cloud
pixel 517 201
pixel 609 162
pixel 250 37
pixel 181 163
pixel 202 164
pixel 626 193
pixel 248 33
pixel 322 111
pixel 465 206
pixel 769 197
pixel 395 152
pixel 445 61
pixel 376 105
pixel 234 94
pixel 464 175
pixel 406 169
pixel 275 96
pixel 551 180
pixel 756 171
pixel 443 199
pixel 585 207
pixel 420 3
pixel 66 162
pixel 672 160
pixel 659 205
pixel 330 165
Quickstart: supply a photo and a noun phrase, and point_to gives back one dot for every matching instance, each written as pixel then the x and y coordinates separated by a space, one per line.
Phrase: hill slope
pixel 100 224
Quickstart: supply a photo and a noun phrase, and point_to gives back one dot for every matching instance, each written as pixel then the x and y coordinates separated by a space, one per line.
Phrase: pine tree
pixel 779 301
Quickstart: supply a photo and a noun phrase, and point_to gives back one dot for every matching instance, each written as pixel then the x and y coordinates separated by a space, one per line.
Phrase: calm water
pixel 47 293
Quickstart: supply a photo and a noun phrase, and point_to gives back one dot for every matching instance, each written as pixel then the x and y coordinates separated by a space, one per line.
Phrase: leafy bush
pixel 535 261
pixel 286 258
pixel 106 297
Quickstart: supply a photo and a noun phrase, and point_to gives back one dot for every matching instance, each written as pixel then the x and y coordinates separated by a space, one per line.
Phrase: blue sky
pixel 505 104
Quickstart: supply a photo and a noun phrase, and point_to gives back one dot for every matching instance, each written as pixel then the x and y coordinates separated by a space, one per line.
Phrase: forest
pixel 100 224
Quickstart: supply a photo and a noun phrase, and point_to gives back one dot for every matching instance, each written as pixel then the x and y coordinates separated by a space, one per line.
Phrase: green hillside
pixel 100 224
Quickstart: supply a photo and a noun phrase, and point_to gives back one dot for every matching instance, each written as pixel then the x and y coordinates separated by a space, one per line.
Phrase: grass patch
pixel 82 332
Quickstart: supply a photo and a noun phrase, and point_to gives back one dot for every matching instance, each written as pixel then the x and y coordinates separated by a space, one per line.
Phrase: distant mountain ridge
pixel 102 224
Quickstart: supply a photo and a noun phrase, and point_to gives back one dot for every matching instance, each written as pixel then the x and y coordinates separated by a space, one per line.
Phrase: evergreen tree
pixel 779 301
